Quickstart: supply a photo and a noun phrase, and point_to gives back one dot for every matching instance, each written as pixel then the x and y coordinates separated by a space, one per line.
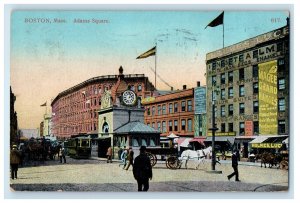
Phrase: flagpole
pixel 223 34
pixel 155 62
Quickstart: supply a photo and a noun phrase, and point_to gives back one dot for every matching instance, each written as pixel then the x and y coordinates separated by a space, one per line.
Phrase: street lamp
pixel 214 128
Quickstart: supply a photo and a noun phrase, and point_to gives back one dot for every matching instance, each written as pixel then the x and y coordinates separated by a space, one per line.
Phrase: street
pixel 97 175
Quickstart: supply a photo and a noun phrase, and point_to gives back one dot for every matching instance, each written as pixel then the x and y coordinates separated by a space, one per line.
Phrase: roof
pixel 135 127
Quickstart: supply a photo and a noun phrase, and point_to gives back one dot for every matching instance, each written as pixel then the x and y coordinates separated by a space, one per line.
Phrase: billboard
pixel 200 100
pixel 268 98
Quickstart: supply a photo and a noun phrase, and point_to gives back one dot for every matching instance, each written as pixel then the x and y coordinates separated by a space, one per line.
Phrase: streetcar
pixel 79 147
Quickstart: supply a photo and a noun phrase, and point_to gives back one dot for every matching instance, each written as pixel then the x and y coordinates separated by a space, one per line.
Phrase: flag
pixel 217 21
pixel 45 104
pixel 151 52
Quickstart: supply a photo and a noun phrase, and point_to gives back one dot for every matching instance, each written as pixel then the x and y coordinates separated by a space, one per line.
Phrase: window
pixel 190 125
pixel 223 78
pixel 183 125
pixel 213 80
pixel 281 104
pixel 189 103
pixel 280 46
pixel 241 58
pixel 255 107
pixel 222 127
pixel 152 142
pixel 175 125
pixel 255 71
pixel 255 88
pixel 230 109
pixel 175 107
pixel 135 142
pixel 148 124
pixel 230 92
pixel 281 66
pixel 242 90
pixel 144 142
pixel 170 125
pixel 170 108
pixel 139 88
pixel 214 65
pixel 164 109
pixel 256 127
pixel 242 128
pixel 153 125
pixel 230 61
pixel 158 110
pixel 242 108
pixel 222 93
pixel 281 126
pixel 148 111
pixel 153 110
pixel 158 127
pixel 183 106
pixel 230 76
pixel 255 54
pixel 230 127
pixel 241 74
pixel 223 63
pixel 281 83
pixel 164 127
pixel 223 111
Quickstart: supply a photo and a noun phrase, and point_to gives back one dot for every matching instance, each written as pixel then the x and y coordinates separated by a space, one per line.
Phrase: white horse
pixel 198 155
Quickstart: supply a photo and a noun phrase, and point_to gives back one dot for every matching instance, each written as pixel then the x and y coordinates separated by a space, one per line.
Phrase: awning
pixel 229 139
pixel 172 135
pixel 259 139
pixel 286 141
pixel 199 140
pixel 184 142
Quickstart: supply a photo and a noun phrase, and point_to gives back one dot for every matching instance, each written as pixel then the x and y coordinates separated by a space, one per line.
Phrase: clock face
pixel 129 97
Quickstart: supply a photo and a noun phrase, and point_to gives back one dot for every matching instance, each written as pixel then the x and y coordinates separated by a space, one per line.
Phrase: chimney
pixel 184 87
pixel 288 21
pixel 172 88
pixel 198 83
pixel 121 76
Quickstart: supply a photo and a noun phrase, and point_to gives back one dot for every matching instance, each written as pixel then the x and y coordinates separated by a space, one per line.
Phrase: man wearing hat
pixel 142 170
pixel 234 160
pixel 15 158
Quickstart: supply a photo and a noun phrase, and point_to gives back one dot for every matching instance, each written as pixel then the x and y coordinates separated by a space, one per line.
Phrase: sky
pixel 48 58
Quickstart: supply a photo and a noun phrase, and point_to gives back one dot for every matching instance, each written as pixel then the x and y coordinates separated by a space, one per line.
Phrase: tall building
pixel 74 111
pixel 249 84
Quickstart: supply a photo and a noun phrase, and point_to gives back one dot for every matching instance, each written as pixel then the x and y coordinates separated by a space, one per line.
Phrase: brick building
pixel 251 87
pixel 75 109
pixel 171 113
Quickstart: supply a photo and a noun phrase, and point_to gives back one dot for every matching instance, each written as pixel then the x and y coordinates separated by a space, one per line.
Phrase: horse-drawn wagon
pixel 171 154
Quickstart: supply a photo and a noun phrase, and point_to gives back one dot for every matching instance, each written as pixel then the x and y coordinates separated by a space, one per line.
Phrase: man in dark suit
pixel 234 159
pixel 142 170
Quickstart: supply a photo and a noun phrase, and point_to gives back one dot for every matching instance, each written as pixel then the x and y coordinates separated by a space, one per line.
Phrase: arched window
pixel 105 127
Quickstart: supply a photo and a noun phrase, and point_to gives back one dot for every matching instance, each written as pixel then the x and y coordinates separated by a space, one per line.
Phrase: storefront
pixel 268 143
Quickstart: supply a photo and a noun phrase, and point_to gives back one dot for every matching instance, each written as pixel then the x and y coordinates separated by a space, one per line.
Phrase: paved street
pixel 97 175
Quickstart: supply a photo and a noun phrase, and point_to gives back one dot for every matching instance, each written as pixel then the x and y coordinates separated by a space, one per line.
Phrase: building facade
pixel 171 113
pixel 74 111
pixel 249 85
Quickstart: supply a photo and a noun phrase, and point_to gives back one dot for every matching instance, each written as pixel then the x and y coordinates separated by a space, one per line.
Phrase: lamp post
pixel 213 129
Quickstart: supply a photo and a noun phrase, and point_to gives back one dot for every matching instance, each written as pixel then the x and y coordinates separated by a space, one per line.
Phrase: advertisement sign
pixel 248 128
pixel 200 100
pixel 266 145
pixel 268 98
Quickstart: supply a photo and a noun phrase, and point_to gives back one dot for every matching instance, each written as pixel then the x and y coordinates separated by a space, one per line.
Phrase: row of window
pixel 281 108
pixel 172 125
pixel 281 68
pixel 281 127
pixel 172 108
pixel 78 128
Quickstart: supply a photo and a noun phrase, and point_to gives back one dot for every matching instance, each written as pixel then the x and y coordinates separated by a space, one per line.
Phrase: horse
pixel 269 158
pixel 198 155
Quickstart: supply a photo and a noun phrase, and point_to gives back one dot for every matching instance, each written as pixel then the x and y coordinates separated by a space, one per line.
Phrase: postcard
pixel 149 100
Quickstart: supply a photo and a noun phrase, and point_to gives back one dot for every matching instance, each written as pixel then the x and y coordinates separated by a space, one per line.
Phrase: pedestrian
pixel 124 158
pixel 61 154
pixel 234 160
pixel 142 170
pixel 120 151
pixel 109 154
pixel 130 159
pixel 15 158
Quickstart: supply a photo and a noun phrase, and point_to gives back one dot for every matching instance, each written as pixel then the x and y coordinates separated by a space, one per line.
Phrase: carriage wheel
pixel 153 158
pixel 172 162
